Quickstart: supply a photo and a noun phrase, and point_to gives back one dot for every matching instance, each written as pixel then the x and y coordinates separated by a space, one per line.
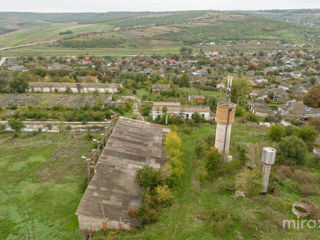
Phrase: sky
pixel 150 5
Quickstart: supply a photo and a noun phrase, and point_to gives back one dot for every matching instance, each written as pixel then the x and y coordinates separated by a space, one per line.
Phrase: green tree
pixel 292 150
pixel 4 79
pixel 240 88
pixel 185 51
pixel 308 134
pixel 16 125
pixel 19 83
pixel 184 80
pixel 213 161
pixel 275 132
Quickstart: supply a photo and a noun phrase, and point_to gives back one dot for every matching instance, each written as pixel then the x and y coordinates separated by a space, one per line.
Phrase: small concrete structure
pixel 113 191
pixel 268 159
pixel 184 111
pixel 51 87
pixel 224 117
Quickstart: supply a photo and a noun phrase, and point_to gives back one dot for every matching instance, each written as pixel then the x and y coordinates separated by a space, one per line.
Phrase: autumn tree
pixel 312 99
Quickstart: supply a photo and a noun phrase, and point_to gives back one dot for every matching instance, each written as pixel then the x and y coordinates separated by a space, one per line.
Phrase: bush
pixel 220 220
pixel 164 195
pixel 292 150
pixel 239 111
pixel 249 181
pixel 275 132
pixel 308 189
pixel 308 134
pixel 200 148
pixel 16 125
pixel 2 127
pixel 213 161
pixel 147 215
pixel 289 130
pixel 148 177
pixel 251 117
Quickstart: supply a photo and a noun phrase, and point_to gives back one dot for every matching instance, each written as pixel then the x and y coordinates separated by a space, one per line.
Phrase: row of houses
pixel 292 109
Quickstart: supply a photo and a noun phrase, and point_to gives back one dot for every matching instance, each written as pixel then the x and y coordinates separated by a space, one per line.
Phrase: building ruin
pixel 113 190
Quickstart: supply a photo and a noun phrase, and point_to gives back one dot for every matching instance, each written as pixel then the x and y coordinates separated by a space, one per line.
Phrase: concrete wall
pixel 220 137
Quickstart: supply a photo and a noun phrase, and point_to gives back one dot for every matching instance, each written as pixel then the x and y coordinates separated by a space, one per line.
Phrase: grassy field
pixel 41 178
pixel 256 218
pixel 40 187
pixel 43 50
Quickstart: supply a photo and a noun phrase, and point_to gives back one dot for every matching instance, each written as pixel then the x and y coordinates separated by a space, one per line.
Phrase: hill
pixel 309 17
pixel 134 32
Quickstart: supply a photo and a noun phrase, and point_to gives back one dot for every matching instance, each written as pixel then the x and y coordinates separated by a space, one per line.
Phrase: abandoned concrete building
pixel 51 87
pixel 113 190
pixel 184 111
pixel 160 87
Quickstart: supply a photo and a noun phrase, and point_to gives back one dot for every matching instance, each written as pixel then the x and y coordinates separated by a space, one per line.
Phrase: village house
pixel 50 87
pixel 159 87
pixel 298 110
pixel 183 111
pixel 16 68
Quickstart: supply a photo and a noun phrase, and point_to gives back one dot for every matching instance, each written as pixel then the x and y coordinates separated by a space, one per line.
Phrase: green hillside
pixel 139 31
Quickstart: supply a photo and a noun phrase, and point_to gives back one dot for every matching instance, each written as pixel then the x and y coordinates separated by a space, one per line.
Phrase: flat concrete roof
pixel 113 190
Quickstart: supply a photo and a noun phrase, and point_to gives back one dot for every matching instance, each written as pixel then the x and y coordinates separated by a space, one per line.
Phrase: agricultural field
pixel 42 181
pixel 137 33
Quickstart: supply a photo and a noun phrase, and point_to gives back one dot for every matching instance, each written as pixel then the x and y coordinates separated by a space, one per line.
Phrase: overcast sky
pixel 150 5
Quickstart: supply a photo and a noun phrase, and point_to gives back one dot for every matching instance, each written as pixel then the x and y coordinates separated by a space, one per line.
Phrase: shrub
pixel 200 148
pixel 308 134
pixel 308 189
pixel 275 132
pixel 164 195
pixel 16 125
pixel 269 118
pixel 2 127
pixel 223 184
pixel 289 130
pixel 239 111
pixel 249 181
pixel 210 140
pixel 292 150
pixel 220 220
pixel 147 215
pixel 173 144
pixel 213 161
pixel 251 117
pixel 148 177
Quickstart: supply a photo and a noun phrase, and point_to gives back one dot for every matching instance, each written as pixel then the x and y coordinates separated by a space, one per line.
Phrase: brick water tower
pixel 225 114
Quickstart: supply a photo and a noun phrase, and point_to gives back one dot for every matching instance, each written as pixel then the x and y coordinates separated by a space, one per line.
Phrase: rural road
pixel 26 45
